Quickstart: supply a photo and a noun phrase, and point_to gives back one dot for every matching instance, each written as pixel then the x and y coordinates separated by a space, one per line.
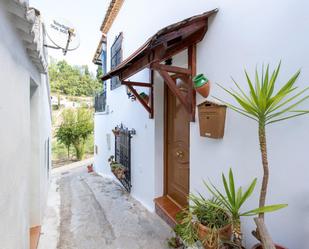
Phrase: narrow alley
pixel 88 211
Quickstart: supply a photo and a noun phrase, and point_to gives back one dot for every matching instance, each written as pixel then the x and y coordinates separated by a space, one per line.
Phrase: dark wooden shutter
pixel 116 58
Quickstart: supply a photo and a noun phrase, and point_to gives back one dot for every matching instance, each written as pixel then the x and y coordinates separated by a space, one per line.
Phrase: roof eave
pixel 196 23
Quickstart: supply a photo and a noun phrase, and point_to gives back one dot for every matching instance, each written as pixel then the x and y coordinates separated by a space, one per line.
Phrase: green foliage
pixel 232 200
pixel 209 215
pixel 99 73
pixel 200 212
pixel 64 133
pixel 185 228
pixel 222 209
pixel 175 242
pixel 265 105
pixel 89 144
pixel 76 127
pixel 60 152
pixel 72 80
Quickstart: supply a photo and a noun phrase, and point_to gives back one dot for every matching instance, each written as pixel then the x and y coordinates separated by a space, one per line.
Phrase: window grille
pixel 123 153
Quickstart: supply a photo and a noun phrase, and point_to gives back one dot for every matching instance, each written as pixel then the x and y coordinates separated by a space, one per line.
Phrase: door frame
pixel 165 142
pixel 165 146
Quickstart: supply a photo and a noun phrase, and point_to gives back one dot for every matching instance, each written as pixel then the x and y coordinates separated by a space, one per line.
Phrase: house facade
pixel 25 129
pixel 168 156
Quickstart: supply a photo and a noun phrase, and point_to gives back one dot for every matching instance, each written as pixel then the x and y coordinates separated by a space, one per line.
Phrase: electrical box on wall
pixel 211 119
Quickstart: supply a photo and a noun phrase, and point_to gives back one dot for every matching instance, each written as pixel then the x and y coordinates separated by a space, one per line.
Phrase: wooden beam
pixel 171 69
pixel 140 99
pixel 151 98
pixel 192 67
pixel 133 83
pixel 172 86
pixel 267 242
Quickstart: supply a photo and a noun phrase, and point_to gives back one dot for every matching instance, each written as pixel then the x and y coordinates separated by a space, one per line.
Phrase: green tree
pixel 83 127
pixel 76 127
pixel 99 73
pixel 72 80
pixel 64 133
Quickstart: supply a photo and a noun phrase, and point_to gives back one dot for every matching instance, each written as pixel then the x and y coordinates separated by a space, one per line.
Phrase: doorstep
pixel 167 209
pixel 35 233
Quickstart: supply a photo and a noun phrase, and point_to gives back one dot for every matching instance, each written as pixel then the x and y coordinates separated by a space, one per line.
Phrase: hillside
pixel 72 87
pixel 73 80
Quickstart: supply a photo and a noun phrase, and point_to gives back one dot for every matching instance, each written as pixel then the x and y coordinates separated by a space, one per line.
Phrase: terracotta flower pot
pixel 116 132
pixel 259 246
pixel 224 233
pixel 90 168
pixel 145 97
pixel 201 85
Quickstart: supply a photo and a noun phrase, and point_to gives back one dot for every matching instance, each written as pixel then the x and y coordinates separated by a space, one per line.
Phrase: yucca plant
pixel 232 201
pixel 266 105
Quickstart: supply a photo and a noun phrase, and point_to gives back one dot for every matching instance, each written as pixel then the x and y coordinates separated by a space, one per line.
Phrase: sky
pixel 87 16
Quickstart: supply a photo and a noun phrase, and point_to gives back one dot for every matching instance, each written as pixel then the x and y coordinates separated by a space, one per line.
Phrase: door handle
pixel 179 154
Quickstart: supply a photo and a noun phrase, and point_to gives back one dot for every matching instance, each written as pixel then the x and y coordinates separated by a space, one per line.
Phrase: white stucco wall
pixel 17 182
pixel 242 34
pixel 122 110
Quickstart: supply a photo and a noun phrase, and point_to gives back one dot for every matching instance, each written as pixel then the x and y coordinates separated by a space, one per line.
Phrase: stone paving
pixel 87 211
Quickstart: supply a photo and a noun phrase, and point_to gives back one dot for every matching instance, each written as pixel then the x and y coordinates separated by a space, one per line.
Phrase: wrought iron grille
pixel 123 153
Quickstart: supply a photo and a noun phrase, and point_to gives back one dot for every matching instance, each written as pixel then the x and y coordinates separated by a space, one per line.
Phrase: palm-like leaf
pixel 233 200
pixel 262 103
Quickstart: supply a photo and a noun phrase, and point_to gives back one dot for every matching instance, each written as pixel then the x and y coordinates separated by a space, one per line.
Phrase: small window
pixel 116 58
pixel 103 57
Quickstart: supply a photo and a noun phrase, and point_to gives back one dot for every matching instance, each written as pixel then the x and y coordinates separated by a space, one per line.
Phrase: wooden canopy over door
pixel 162 46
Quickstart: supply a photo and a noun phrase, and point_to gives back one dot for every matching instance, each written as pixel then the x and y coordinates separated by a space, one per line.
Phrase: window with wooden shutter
pixel 116 58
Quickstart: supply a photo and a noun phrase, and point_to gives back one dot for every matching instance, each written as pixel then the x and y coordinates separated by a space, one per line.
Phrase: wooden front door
pixel 177 147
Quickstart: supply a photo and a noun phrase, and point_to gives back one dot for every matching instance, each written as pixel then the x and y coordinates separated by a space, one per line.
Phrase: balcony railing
pixel 100 102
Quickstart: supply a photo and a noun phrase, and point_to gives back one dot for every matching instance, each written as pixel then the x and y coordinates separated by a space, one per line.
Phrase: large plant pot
pixel 225 233
pixel 259 246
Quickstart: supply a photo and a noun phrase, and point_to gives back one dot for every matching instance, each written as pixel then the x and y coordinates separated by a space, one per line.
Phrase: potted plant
pixel 266 106
pixel 201 85
pixel 212 221
pixel 118 169
pixel 145 97
pixel 116 131
pixel 205 223
pixel 90 168
pixel 233 199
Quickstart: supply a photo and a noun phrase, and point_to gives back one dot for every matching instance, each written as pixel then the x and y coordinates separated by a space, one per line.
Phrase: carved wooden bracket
pixel 187 100
pixel 148 106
